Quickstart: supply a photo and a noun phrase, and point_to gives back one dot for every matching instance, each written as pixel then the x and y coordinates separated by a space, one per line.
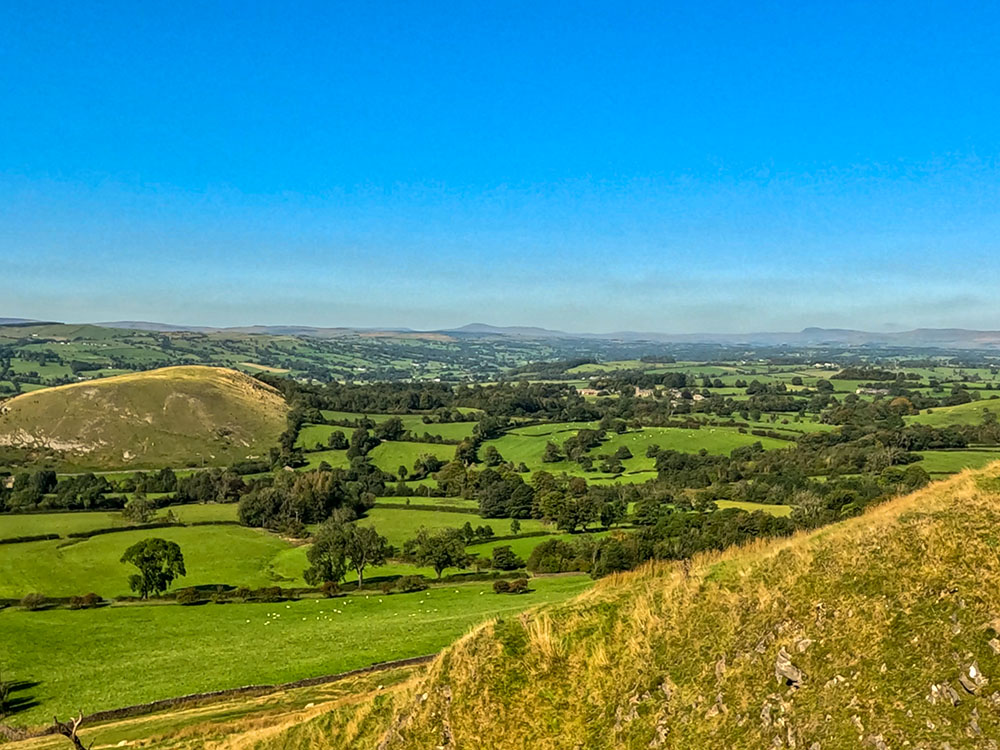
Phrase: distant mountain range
pixel 277 330
pixel 944 338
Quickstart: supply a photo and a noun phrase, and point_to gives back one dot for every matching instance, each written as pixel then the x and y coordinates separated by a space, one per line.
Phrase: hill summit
pixel 174 416
pixel 879 632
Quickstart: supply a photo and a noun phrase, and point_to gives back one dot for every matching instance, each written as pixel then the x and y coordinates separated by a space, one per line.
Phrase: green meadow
pixel 213 555
pixel 31 524
pixel 389 456
pixel 964 414
pixel 952 461
pixel 182 650
pixel 527 444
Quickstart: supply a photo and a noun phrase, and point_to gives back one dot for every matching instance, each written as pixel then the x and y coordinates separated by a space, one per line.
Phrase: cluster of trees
pixel 439 550
pixel 372 398
pixel 338 547
pixel 292 500
pixel 672 535
pixel 40 490
pixel 164 480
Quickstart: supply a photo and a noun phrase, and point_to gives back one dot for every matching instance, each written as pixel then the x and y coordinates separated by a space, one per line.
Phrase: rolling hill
pixel 174 416
pixel 879 632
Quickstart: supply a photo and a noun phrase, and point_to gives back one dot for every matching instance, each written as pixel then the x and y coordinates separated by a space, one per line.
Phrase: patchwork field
pixel 179 649
pixel 527 445
pixel 214 555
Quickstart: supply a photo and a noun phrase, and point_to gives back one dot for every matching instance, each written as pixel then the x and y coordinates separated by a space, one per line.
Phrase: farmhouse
pixel 872 391
pixel 588 391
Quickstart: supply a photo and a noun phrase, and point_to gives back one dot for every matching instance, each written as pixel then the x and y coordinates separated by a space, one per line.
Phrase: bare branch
pixel 68 729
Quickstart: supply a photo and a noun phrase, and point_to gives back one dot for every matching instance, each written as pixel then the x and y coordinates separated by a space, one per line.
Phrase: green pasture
pixel 213 555
pixel 443 502
pixel 398 524
pixel 31 524
pixel 774 510
pixel 78 662
pixel 963 414
pixel 949 462
pixel 337 459
pixel 524 546
pixel 517 446
pixel 389 456
pixel 412 422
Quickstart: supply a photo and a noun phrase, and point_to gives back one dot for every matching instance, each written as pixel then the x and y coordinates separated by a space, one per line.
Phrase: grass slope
pixel 205 724
pixel 79 662
pixel 176 416
pixel 877 619
pixel 213 555
pixel 944 416
pixel 69 522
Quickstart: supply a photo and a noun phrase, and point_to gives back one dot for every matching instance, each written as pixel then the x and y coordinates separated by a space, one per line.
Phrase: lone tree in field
pixel 365 547
pixel 139 509
pixel 438 550
pixel 159 563
pixel 339 546
pixel 327 554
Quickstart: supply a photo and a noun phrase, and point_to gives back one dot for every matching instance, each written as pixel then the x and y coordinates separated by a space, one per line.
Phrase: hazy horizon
pixel 888 328
pixel 644 167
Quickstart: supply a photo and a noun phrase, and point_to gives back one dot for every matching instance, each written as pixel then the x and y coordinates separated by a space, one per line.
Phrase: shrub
pixel 91 600
pixel 87 601
pixel 31 602
pixel 386 587
pixel 243 593
pixel 330 589
pixel 501 587
pixel 518 586
pixel 188 596
pixel 407 584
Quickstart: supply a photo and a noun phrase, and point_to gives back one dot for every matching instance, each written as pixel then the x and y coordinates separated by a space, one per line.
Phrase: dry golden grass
pixel 236 723
pixel 175 416
pixel 873 611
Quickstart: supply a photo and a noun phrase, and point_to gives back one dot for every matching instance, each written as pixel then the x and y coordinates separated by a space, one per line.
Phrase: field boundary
pixel 140 709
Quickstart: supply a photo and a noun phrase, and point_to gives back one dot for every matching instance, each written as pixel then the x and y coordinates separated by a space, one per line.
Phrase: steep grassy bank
pixel 878 632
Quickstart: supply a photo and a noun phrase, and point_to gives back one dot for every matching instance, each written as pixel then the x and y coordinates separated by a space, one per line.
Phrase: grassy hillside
pixel 878 632
pixel 178 416
pixel 970 413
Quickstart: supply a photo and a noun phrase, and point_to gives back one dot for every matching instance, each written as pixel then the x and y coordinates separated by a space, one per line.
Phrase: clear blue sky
pixel 667 166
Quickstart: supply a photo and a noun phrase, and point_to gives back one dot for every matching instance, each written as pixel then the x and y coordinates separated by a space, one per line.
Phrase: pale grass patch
pixel 543 639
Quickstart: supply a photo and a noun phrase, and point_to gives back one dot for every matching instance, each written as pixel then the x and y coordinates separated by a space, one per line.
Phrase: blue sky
pixel 655 166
